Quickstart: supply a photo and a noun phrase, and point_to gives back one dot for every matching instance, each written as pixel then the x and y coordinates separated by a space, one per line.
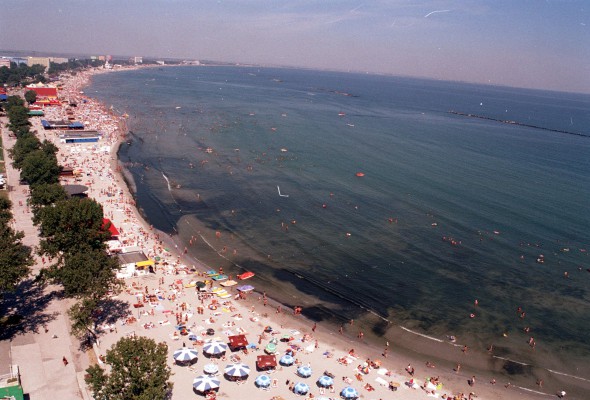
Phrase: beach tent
pixel 266 362
pixel 237 342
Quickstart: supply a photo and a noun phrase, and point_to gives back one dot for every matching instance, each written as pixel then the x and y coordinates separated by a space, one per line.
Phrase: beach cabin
pixel 134 263
pixel 80 137
pixel 76 190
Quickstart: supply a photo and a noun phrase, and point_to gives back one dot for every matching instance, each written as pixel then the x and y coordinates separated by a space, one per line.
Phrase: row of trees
pixel 20 74
pixel 15 258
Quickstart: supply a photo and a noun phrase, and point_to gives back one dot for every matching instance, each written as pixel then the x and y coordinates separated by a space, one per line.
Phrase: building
pixel 58 60
pixel 5 62
pixel 138 60
pixel 43 91
pixel 101 58
pixel 134 264
pixel 38 60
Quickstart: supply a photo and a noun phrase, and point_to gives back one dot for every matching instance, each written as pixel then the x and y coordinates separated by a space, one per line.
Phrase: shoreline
pixel 322 333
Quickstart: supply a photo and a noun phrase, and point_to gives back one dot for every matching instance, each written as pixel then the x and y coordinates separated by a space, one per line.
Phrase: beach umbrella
pixel 349 393
pixel 185 355
pixel 214 348
pixel 204 383
pixel 237 370
pixel 301 388
pixel 262 381
pixel 245 288
pixel 210 368
pixel 325 381
pixel 287 360
pixel 304 371
pixel 201 284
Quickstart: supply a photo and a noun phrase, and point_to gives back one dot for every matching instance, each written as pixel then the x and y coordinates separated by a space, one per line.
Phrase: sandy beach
pixel 167 307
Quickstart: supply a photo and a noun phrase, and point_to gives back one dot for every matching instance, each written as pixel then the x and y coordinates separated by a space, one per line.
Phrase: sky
pixel 541 44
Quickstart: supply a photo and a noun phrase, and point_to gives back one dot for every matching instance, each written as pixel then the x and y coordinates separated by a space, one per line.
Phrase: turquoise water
pixel 450 209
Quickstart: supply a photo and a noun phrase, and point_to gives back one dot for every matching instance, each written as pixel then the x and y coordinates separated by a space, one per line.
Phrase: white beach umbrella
pixel 214 348
pixel 204 383
pixel 238 370
pixel 185 355
pixel 301 388
pixel 325 381
pixel 262 381
pixel 304 371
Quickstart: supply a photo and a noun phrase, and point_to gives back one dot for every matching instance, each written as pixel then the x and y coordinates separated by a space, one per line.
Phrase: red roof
pixel 107 224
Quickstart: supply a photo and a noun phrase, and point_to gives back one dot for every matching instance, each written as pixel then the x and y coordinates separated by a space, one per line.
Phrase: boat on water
pixel 341 114
pixel 246 275
pixel 360 174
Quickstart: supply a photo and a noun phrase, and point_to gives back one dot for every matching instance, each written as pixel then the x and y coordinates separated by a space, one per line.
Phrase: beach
pixel 165 299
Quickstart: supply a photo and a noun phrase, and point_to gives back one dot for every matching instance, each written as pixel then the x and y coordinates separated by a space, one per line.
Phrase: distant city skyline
pixel 527 43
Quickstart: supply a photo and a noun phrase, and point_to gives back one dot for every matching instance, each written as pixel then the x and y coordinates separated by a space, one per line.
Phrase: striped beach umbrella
pixel 301 388
pixel 304 371
pixel 325 381
pixel 210 369
pixel 238 370
pixel 349 393
pixel 214 348
pixel 287 360
pixel 185 355
pixel 262 381
pixel 204 383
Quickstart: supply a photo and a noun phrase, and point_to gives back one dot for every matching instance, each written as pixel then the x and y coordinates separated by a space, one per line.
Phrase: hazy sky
pixel 525 43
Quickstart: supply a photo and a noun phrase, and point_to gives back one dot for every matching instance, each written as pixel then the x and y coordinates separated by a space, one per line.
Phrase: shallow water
pixel 450 209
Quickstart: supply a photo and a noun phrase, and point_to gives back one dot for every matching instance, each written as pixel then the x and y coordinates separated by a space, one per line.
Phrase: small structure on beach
pixel 76 190
pixel 133 264
pixel 80 137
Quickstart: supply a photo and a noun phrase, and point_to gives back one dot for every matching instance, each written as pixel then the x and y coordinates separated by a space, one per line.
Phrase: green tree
pixel 71 224
pixel 18 118
pixel 38 167
pixel 30 96
pixel 25 144
pixel 46 194
pixel 138 372
pixel 86 273
pixel 15 258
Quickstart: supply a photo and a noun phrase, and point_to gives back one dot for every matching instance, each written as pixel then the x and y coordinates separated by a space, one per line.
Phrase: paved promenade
pixel 38 349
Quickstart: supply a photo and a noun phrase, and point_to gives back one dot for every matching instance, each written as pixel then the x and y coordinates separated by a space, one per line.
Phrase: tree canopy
pixel 46 194
pixel 138 371
pixel 38 167
pixel 30 96
pixel 86 272
pixel 70 225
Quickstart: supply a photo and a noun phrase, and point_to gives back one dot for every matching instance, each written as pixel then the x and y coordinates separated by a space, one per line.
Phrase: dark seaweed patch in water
pixel 513 368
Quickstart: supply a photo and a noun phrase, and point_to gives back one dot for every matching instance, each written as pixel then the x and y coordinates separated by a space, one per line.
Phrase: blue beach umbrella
pixel 185 355
pixel 204 383
pixel 245 288
pixel 262 381
pixel 304 371
pixel 301 388
pixel 349 393
pixel 287 360
pixel 325 381
pixel 214 348
pixel 237 370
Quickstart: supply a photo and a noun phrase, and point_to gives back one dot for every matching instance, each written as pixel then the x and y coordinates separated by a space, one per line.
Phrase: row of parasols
pixel 208 383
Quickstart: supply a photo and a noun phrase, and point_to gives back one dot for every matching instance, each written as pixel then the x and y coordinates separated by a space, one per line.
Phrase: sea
pixel 454 213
